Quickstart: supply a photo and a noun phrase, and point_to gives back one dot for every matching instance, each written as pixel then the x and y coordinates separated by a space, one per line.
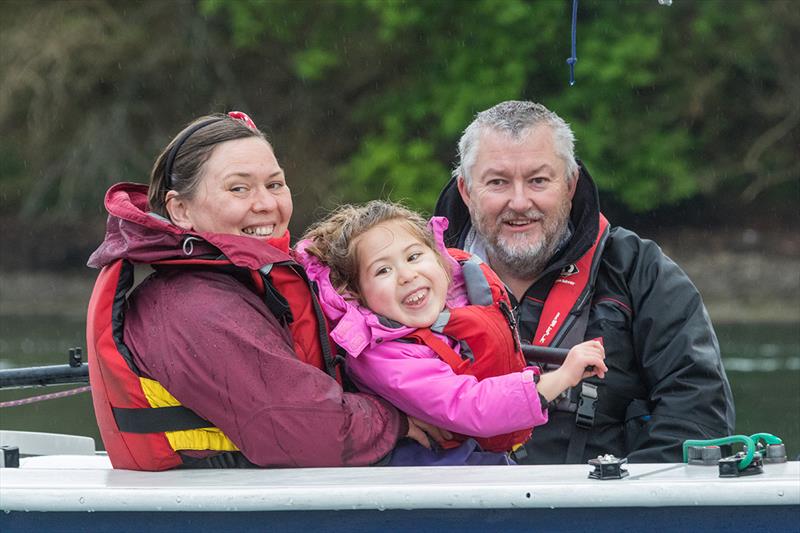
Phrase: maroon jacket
pixel 213 344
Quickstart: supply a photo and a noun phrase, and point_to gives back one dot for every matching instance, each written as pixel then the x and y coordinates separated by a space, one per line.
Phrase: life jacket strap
pixel 219 460
pixel 277 304
pixel 158 419
pixel 332 361
pixel 584 420
pixel 446 353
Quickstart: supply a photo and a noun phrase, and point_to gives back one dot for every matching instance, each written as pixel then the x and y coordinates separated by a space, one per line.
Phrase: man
pixel 521 201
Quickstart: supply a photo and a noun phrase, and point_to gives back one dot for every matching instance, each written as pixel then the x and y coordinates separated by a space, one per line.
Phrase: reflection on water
pixel 762 361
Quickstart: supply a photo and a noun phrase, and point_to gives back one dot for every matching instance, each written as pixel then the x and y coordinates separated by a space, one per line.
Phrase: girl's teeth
pixel 415 298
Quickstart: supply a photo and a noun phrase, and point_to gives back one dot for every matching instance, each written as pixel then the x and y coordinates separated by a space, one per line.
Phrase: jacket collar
pixel 137 235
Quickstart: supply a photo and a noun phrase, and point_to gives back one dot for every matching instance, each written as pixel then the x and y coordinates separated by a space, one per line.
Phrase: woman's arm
pixel 214 345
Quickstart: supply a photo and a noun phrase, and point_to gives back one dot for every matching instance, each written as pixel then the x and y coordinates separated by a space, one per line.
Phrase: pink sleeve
pixel 423 386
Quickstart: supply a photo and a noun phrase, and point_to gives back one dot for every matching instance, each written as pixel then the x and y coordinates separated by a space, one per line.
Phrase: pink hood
pixel 356 328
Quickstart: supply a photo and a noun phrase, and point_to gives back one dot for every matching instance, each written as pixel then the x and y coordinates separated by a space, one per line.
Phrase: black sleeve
pixel 679 357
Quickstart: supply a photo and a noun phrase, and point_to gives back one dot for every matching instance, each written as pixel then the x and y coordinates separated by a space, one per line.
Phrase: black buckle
pixel 519 454
pixel 584 416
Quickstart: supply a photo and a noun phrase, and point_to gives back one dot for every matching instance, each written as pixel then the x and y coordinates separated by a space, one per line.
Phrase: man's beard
pixel 516 253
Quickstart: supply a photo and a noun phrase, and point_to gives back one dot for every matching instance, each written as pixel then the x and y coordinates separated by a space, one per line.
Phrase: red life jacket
pixel 570 292
pixel 563 322
pixel 140 422
pixel 486 332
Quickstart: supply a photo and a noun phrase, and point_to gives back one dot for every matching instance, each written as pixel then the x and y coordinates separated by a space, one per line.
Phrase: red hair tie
pixel 238 115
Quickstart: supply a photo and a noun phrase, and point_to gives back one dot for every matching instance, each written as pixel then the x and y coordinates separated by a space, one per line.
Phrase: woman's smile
pixel 259 231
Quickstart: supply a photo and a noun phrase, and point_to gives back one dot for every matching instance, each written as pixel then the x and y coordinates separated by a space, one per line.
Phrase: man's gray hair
pixel 515 119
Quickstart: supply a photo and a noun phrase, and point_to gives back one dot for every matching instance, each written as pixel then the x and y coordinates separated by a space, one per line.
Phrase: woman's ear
pixel 178 210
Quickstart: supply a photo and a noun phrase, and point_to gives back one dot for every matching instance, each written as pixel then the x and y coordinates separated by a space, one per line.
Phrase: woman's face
pixel 242 191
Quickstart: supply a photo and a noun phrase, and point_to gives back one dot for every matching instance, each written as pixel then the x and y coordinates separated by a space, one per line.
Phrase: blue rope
pixel 574 58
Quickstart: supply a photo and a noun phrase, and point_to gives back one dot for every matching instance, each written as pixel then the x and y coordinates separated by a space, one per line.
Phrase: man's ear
pixel 573 183
pixel 178 210
pixel 463 190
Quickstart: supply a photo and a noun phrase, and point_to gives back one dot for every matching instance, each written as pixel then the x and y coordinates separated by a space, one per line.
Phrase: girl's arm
pixel 583 360
pixel 417 382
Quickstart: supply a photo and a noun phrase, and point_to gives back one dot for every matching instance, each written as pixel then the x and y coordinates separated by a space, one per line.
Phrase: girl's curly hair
pixel 334 238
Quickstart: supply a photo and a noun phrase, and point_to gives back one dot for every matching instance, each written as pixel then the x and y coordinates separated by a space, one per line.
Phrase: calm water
pixel 762 361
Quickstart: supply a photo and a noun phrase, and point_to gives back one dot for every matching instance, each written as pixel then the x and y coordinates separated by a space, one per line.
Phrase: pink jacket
pixel 411 376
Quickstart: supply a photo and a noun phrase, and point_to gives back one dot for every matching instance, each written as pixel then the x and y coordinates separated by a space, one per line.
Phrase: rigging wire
pixel 574 57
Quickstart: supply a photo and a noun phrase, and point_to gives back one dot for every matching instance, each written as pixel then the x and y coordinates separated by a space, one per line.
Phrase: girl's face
pixel 400 277
pixel 242 192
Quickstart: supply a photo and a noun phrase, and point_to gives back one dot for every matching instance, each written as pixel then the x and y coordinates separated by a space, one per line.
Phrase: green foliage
pixel 647 78
pixel 368 98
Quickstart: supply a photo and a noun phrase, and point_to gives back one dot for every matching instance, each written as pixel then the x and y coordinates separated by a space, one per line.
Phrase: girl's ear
pixel 178 210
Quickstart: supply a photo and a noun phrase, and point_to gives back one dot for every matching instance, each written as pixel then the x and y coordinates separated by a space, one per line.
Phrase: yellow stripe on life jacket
pixel 209 438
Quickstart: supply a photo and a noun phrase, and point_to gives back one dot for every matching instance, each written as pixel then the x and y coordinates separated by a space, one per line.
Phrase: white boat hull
pixel 83 491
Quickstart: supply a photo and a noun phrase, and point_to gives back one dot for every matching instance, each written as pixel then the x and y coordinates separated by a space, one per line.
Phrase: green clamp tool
pixel 747 462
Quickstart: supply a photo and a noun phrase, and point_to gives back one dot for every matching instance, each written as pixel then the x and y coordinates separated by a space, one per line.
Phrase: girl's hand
pixel 583 360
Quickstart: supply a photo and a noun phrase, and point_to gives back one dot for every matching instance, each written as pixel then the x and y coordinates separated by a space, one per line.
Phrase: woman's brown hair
pixel 179 167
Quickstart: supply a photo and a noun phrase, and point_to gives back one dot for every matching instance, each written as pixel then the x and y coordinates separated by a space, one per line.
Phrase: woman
pixel 219 358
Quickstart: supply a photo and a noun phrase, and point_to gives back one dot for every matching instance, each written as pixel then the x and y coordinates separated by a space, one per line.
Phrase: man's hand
pixel 421 431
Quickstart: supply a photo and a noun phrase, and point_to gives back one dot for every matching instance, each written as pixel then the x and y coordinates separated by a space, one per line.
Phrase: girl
pixel 388 284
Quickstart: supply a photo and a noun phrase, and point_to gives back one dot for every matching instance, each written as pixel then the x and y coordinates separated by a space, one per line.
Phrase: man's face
pixel 519 199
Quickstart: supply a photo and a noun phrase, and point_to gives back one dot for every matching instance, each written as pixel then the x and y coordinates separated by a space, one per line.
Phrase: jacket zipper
pixel 512 323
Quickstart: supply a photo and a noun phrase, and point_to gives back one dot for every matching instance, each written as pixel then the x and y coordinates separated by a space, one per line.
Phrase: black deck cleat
pixel 729 466
pixel 75 357
pixel 608 467
pixel 9 457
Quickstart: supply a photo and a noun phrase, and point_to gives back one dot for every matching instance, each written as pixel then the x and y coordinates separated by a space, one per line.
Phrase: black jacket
pixel 665 382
